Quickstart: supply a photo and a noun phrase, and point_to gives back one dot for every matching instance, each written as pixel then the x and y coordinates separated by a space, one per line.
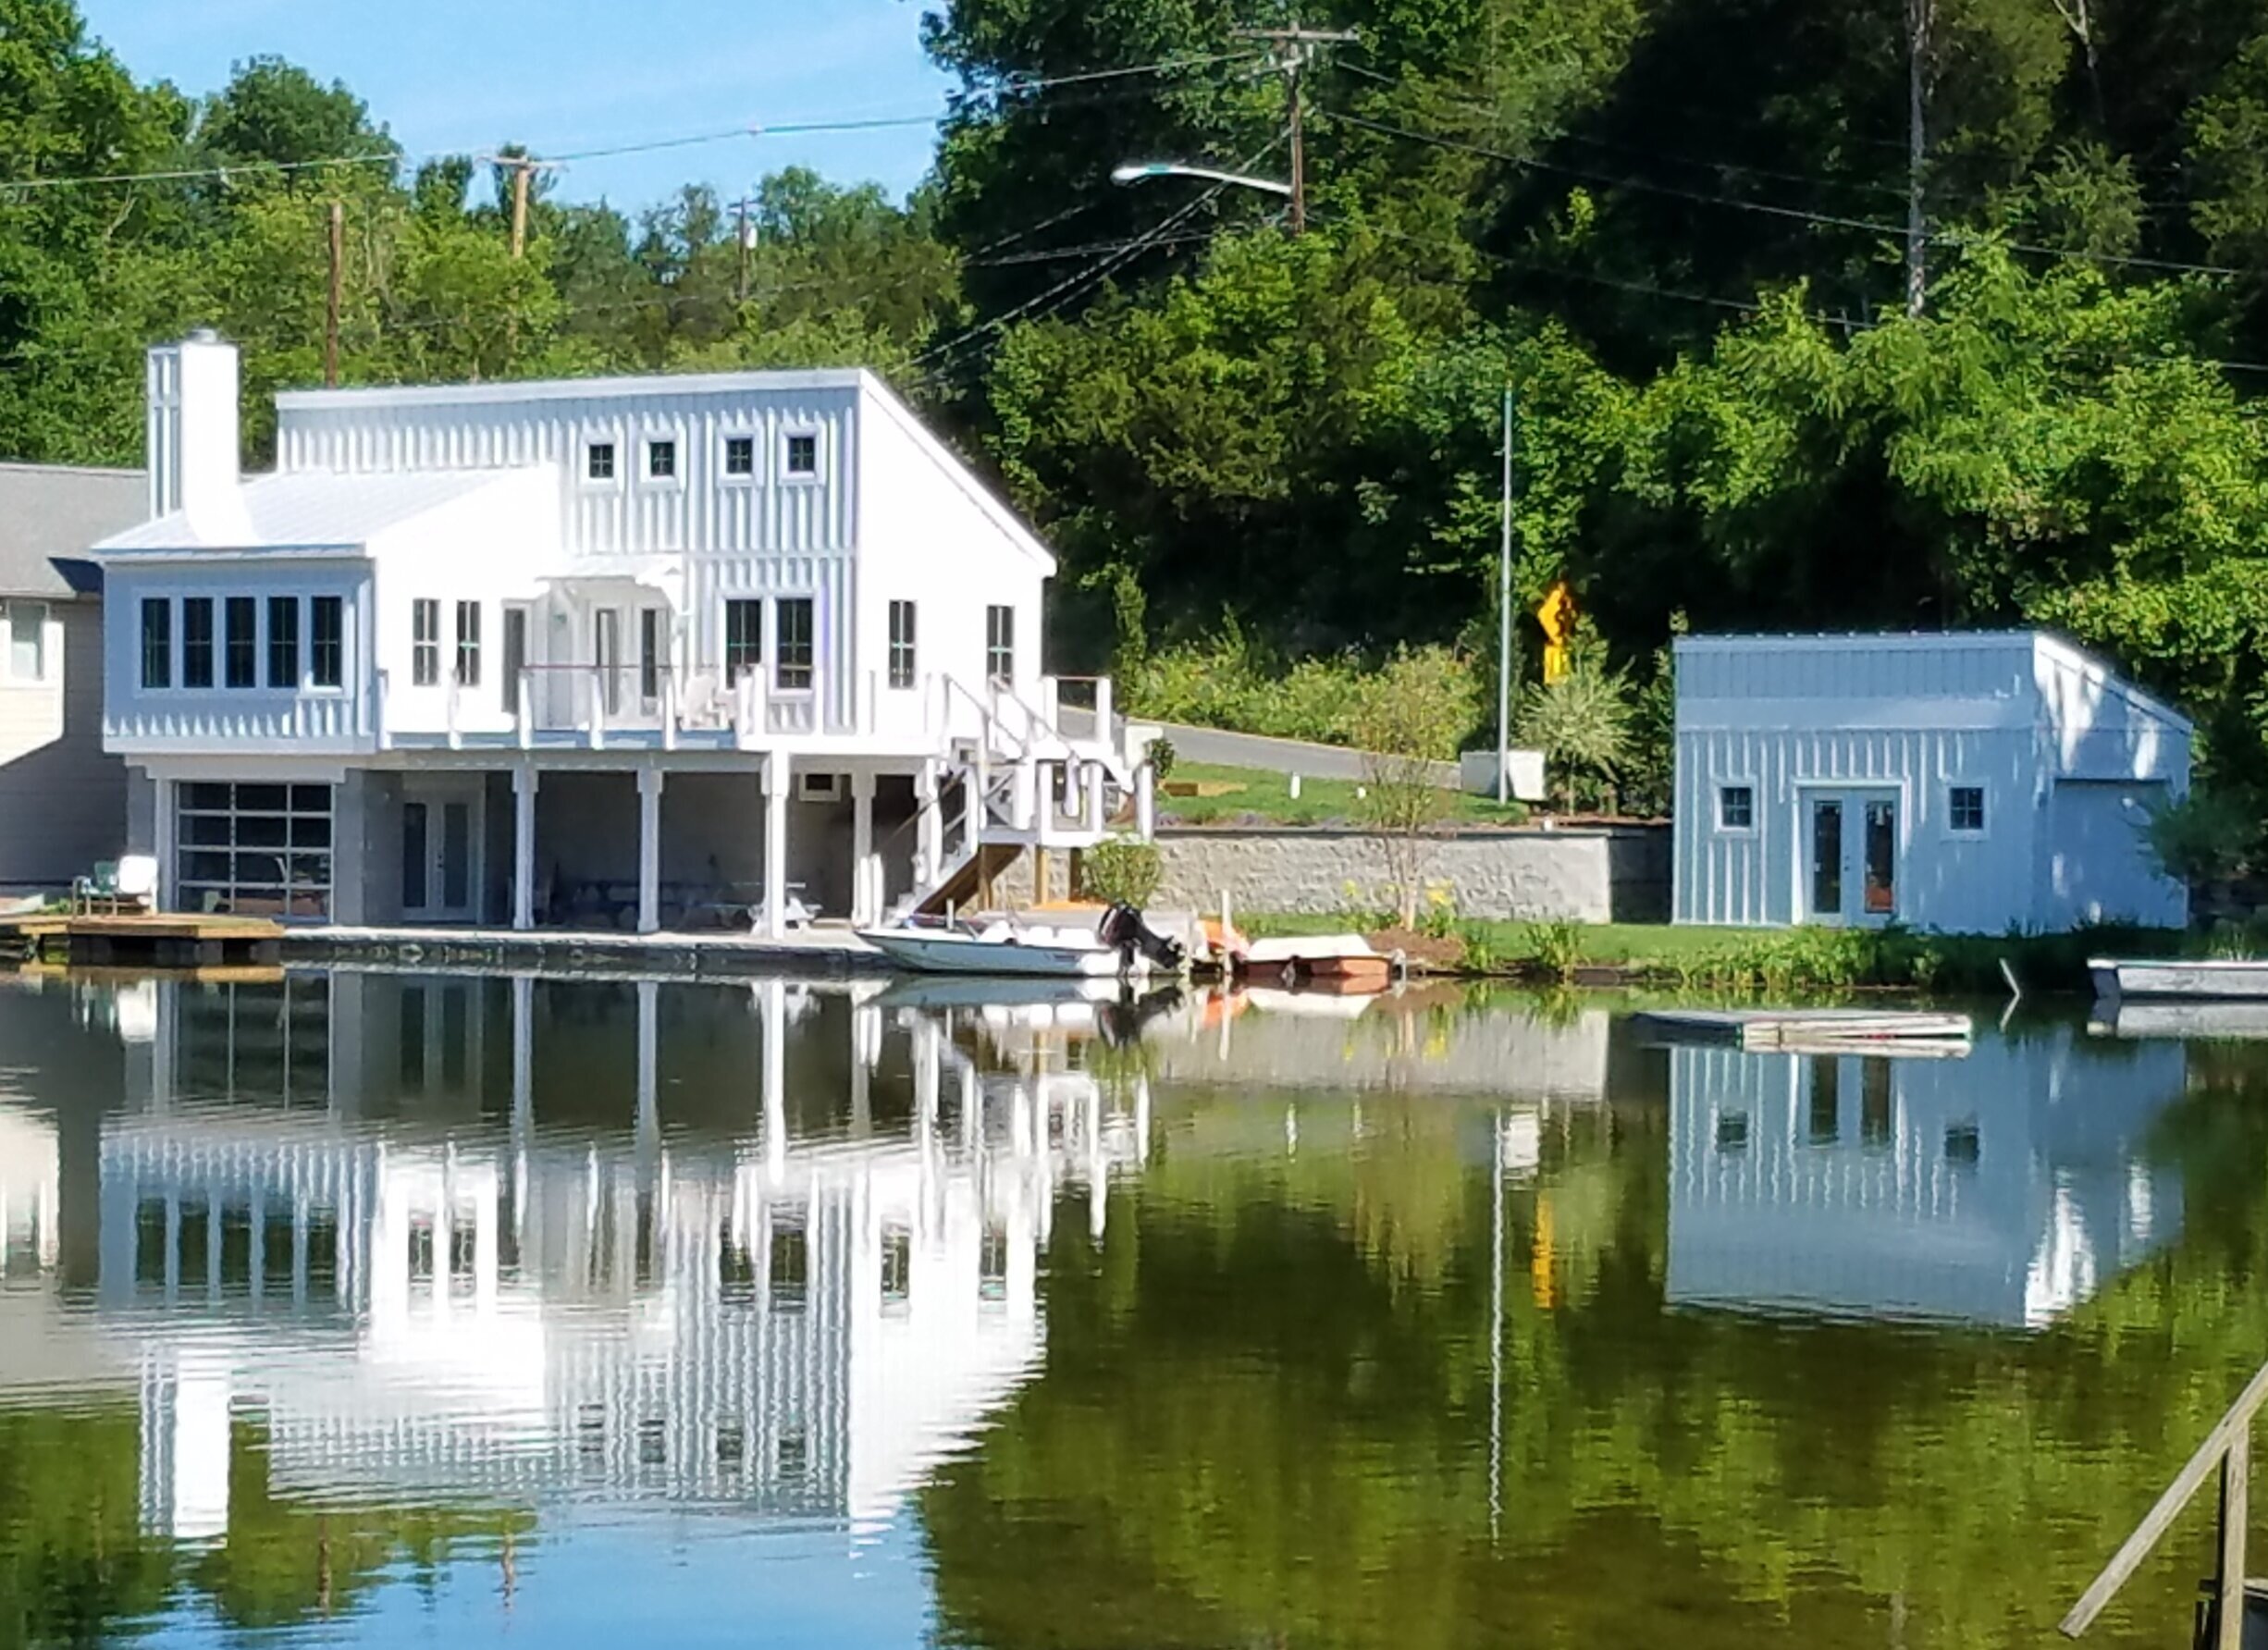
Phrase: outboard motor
pixel 1123 927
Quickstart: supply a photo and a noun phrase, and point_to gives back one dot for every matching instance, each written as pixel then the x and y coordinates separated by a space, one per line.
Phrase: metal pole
pixel 1299 145
pixel 1504 623
pixel 330 302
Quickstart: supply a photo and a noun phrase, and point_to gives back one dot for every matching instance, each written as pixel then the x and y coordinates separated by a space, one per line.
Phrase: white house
pixel 1966 783
pixel 62 800
pixel 590 651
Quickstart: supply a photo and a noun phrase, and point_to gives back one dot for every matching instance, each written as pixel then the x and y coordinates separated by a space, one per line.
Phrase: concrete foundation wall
pixel 1618 874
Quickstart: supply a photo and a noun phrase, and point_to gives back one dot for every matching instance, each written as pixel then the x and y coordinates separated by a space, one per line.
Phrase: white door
pixel 1851 854
pixel 440 852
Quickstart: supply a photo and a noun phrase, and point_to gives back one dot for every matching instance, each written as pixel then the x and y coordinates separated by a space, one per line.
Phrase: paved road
pixel 1220 748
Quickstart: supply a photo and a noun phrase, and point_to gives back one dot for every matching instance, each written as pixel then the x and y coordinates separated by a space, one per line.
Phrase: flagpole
pixel 1504 623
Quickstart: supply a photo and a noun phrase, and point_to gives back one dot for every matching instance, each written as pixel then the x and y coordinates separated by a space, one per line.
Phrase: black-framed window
pixel 468 644
pixel 902 623
pixel 196 641
pixel 1736 807
pixel 744 637
pixel 653 654
pixel 740 455
pixel 242 658
pixel 1966 808
pixel 598 461
pixel 792 625
pixel 157 641
pixel 326 632
pixel 283 641
pixel 424 642
pixel 802 455
pixel 661 460
pixel 999 643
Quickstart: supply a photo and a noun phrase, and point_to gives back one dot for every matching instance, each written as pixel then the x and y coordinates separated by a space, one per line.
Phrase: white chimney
pixel 193 451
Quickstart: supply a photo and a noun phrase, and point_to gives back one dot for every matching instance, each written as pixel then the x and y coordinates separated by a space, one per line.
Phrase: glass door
pixel 438 873
pixel 1825 859
pixel 1852 845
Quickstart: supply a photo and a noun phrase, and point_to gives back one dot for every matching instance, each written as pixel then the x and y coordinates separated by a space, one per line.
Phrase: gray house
pixel 62 800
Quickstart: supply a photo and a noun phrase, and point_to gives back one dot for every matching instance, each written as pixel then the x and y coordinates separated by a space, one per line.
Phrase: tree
pixel 1412 716
pixel 1583 723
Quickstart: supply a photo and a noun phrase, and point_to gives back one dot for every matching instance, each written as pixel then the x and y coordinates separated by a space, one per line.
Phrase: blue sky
pixel 566 75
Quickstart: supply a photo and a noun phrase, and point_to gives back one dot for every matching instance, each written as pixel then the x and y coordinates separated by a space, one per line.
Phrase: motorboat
pixel 1341 962
pixel 1118 947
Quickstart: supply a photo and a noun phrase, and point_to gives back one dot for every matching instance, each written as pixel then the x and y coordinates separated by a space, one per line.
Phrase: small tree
pixel 2205 837
pixel 1583 724
pixel 1410 716
pixel 1120 870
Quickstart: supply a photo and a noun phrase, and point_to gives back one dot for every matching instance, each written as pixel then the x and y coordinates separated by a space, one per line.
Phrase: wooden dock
pixel 165 941
pixel 1864 1030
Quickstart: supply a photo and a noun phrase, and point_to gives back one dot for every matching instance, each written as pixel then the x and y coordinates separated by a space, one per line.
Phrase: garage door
pixel 255 850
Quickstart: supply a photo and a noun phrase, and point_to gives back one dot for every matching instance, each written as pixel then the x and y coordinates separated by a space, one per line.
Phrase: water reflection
pixel 2004 1186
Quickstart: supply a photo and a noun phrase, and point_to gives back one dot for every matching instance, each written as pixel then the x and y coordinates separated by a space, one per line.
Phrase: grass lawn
pixel 1602 942
pixel 1253 795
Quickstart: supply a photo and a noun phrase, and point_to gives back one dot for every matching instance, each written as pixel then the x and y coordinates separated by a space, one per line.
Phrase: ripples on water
pixel 363 1309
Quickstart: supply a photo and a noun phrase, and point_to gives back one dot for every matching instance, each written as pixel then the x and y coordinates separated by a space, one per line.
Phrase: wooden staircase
pixel 971 883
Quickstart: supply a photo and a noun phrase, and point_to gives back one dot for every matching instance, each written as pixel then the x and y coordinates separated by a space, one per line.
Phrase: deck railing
pixel 2229 1447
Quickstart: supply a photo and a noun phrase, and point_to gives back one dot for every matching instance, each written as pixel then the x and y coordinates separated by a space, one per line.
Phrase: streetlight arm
pixel 1139 171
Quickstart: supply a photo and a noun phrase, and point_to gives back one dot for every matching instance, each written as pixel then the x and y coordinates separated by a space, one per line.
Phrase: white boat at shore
pixel 2145 980
pixel 1117 946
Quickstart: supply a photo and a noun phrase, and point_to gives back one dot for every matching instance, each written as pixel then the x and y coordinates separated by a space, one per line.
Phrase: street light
pixel 1137 171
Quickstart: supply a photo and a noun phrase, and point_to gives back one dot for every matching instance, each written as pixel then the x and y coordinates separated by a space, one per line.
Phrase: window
pixel 901 644
pixel 260 850
pixel 515 656
pixel 283 641
pixel 327 665
pixel 156 642
pixel 740 455
pixel 607 656
pixel 598 461
pixel 653 654
pixel 240 659
pixel 803 456
pixel 426 642
pixel 1968 809
pixel 468 644
pixel 789 1271
pixel 897 1266
pixel 999 643
pixel 27 640
pixel 743 639
pixel 1736 807
pixel 1731 1131
pixel 661 460
pixel 792 619
pixel 993 1266
pixel 197 641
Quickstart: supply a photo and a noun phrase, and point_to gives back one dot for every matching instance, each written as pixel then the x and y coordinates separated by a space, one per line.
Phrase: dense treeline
pixel 1675 227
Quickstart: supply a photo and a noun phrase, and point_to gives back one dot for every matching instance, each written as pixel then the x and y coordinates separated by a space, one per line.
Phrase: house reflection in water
pixel 2004 1188
pixel 329 1203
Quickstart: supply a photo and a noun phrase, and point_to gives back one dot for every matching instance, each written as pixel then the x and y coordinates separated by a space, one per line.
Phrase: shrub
pixel 1583 724
pixel 2207 836
pixel 1230 682
pixel 1162 758
pixel 1410 716
pixel 1120 871
pixel 1556 949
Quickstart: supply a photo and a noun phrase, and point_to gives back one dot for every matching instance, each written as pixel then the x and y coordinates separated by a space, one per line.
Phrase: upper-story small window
pixel 283 643
pixel 902 619
pixel 468 644
pixel 196 641
pixel 424 642
pixel 803 456
pixel 598 461
pixel 999 643
pixel 157 641
pixel 1736 807
pixel 26 626
pixel 327 659
pixel 1966 806
pixel 740 455
pixel 792 626
pixel 242 664
pixel 661 460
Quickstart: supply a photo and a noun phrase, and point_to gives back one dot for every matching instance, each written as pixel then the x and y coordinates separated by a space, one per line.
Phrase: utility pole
pixel 330 307
pixel 1921 15
pixel 1504 623
pixel 745 233
pixel 523 168
pixel 1291 50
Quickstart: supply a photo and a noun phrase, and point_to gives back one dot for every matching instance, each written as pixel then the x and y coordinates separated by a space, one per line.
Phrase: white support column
pixel 1028 795
pixel 1145 801
pixel 649 1069
pixel 866 884
pixel 930 864
pixel 778 771
pixel 649 850
pixel 524 783
pixel 772 995
pixel 1098 819
pixel 162 839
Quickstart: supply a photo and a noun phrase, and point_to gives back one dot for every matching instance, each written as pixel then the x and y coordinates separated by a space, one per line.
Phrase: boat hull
pixel 957 953
pixel 2175 982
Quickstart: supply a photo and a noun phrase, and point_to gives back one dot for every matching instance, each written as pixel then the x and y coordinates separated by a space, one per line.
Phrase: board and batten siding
pixel 62 799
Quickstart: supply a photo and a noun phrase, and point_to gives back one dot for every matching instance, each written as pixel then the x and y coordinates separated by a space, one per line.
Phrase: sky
pixel 561 76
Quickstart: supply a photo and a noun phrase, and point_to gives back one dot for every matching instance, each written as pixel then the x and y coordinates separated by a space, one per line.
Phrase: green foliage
pixel 1233 682
pixel 1408 717
pixel 2207 836
pixel 1120 871
pixel 1583 724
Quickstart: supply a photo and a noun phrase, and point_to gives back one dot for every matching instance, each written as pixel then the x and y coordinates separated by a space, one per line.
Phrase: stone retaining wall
pixel 1592 874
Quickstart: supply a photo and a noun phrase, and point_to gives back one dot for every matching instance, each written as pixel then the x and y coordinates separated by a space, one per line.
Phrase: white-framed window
pixel 283 643
pixel 653 654
pixel 793 633
pixel 468 644
pixel 902 623
pixel 326 635
pixel 739 458
pixel 744 637
pixel 1965 809
pixel 599 463
pixel 424 642
pixel 240 656
pixel 156 642
pixel 1736 807
pixel 257 850
pixel 799 455
pixel 27 639
pixel 196 641
pixel 999 643
pixel 661 458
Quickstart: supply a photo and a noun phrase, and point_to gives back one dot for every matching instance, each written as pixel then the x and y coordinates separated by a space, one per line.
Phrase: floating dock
pixel 144 941
pixel 1865 1030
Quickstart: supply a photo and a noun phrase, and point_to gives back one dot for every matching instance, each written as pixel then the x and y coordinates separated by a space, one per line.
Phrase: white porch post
pixel 778 769
pixel 1145 801
pixel 162 840
pixel 649 850
pixel 932 834
pixel 523 782
pixel 772 998
pixel 1097 818
pixel 864 882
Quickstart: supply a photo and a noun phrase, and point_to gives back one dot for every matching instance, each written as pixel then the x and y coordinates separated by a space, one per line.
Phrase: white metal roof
pixel 506 391
pixel 306 511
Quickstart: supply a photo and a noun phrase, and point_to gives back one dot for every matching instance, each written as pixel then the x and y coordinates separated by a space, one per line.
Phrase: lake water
pixel 376 1311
